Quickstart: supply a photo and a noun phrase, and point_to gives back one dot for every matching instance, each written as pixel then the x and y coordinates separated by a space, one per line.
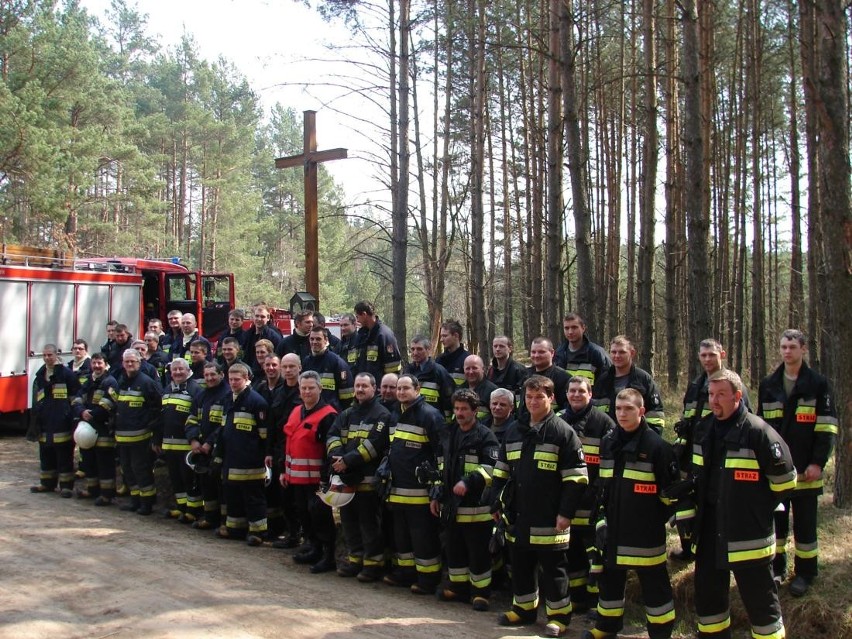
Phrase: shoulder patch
pixel 776 451
pixel 580 454
pixel 380 427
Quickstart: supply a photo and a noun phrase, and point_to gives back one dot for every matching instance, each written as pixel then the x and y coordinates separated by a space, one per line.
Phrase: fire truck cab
pixel 46 298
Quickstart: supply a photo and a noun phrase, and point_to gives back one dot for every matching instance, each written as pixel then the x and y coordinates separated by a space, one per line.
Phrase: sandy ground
pixel 70 570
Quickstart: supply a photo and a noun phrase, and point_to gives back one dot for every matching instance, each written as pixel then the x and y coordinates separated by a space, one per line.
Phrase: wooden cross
pixel 309 158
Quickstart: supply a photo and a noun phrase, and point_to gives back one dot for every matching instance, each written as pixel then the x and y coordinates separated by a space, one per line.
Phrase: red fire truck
pixel 46 298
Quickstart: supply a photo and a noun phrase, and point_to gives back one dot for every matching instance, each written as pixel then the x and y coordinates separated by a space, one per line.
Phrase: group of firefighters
pixel 556 474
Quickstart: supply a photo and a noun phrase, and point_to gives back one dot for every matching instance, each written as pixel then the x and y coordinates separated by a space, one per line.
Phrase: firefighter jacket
pixel 512 376
pixel 501 430
pixel 806 419
pixel 95 397
pixel 294 343
pixel 159 359
pixel 177 404
pixel 378 353
pixel 468 456
pixel 745 477
pixel 415 439
pixel 116 355
pixel 347 350
pixel 540 473
pixel 144 367
pixel 138 402
pixel 253 336
pixel 207 414
pixel 591 427
pixel 168 340
pixel 241 444
pixel 588 361
pixel 454 363
pixel 52 397
pixel 636 469
pixel 603 395
pixel 483 390
pixel 305 434
pixel 335 376
pixel 83 371
pixel 360 435
pixel 436 385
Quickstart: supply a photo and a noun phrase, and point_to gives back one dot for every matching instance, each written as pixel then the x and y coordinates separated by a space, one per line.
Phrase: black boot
pixel 309 555
pixel 132 506
pixel 326 562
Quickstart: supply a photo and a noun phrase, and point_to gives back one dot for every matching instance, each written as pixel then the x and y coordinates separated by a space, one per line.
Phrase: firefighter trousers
pixel 656 594
pixel 804 509
pixel 57 465
pixel 181 476
pixel 98 464
pixel 468 559
pixel 757 588
pixel 526 561
pixel 137 467
pixel 362 530
pixel 316 518
pixel 417 546
pixel 246 507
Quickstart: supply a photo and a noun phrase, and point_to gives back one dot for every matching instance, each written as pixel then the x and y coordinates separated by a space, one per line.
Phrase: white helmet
pixel 268 477
pixel 338 494
pixel 199 462
pixel 85 435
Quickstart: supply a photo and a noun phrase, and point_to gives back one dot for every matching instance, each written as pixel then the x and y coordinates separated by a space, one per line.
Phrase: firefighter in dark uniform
pixel 504 371
pixel 261 330
pixel 625 374
pixel 157 357
pixel 348 338
pixel 189 336
pixel 177 404
pixel 637 467
pixel 137 427
pixel 235 329
pixel 306 468
pixel 298 341
pixel 229 353
pixel 415 440
pixel 501 416
pixel 696 406
pixel 797 402
pixel 577 355
pixel 357 442
pixel 454 353
pixel 241 446
pixel 334 372
pixel 591 427
pixel 81 363
pixel 741 469
pixel 285 397
pixel 462 501
pixel 541 356
pixel 206 416
pixel 94 404
pixel 378 352
pixel 174 334
pixel 54 387
pixel 436 385
pixel 474 378
pixel 539 480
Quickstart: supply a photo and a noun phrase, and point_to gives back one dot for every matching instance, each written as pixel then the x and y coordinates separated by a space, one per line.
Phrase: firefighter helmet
pixel 199 462
pixel 337 493
pixel 85 435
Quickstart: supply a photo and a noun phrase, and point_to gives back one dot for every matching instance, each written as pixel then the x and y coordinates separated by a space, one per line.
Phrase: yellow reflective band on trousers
pixel 712 624
pixel 246 474
pixel 611 608
pixel 770 631
pixel 750 550
pixel 807 551
pixel 132 436
pixel 410 496
pixel 528 601
pixel 660 614
pixel 548 536
pixel 428 566
pixel 634 556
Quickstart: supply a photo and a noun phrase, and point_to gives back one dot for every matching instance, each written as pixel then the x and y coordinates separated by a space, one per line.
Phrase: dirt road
pixel 70 570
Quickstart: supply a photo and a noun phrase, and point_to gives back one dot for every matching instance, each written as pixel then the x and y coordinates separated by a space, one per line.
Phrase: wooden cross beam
pixel 309 158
